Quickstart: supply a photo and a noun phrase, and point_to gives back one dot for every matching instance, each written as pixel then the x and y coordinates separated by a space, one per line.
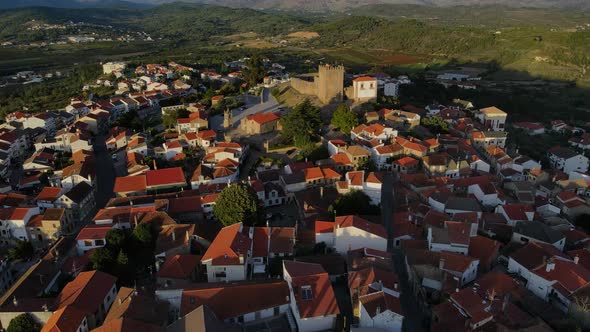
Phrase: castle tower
pixel 227 119
pixel 330 83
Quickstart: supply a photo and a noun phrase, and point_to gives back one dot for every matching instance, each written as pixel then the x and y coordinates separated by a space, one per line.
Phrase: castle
pixel 327 85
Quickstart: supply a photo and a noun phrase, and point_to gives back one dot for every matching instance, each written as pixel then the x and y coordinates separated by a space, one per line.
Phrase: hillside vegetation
pixel 554 43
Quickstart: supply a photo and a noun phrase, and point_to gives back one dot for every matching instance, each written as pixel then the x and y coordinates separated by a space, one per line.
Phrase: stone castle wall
pixel 328 86
pixel 304 87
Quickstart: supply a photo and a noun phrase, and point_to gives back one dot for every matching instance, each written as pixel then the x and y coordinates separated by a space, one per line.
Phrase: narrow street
pixel 105 172
pixel 413 314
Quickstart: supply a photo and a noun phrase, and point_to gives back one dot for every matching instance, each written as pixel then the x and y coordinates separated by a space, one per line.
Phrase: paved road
pixel 413 317
pixel 254 106
pixel 105 173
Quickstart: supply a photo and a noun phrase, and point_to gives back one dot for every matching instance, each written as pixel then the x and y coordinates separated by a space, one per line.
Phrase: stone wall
pixel 331 83
pixel 304 87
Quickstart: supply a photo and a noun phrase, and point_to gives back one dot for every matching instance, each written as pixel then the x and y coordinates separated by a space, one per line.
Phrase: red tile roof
pixel 456 262
pixel 166 176
pixel 179 266
pixel 68 318
pixel 87 292
pixel 237 298
pixel 127 184
pixel 322 301
pixel 569 275
pixel 364 79
pixel 228 246
pixel 378 302
pixel 362 224
pixel 324 226
pixel 93 232
pixel 49 194
pixel 472 304
pixel 483 249
pixel 262 118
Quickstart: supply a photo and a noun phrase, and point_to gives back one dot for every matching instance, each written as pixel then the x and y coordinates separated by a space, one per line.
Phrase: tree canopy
pixel 344 118
pixel 436 124
pixel 22 250
pixel 354 202
pixel 23 323
pixel 255 72
pixel 238 203
pixel 302 124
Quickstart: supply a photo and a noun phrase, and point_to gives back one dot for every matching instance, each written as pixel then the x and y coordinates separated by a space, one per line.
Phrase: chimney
pixel 378 310
pixel 155 166
pixel 395 286
pixel 550 266
pixel 187 236
pixel 322 192
pixel 441 264
pixel 576 259
pixel 173 235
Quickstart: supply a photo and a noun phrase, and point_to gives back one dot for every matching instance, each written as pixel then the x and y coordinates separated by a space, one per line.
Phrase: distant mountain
pixel 339 5
pixel 11 4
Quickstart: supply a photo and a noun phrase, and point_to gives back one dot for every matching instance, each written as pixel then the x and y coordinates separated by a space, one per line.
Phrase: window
pixel 99 242
pixel 306 293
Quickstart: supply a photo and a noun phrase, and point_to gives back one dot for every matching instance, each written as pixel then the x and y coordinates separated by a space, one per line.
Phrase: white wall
pixel 386 320
pixel 232 272
pixel 327 238
pixel 352 238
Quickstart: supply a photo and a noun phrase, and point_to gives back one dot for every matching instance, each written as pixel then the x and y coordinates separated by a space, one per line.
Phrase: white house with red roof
pixel 516 212
pixel 335 145
pixel 313 302
pixel 353 232
pixel 567 160
pixel 227 257
pixel 91 237
pixel 364 89
pixel 375 131
pixel 558 281
pixel 382 311
pixel 369 183
pixel 171 149
pixel 383 156
pixel 454 237
pixel 13 222
pixel 324 232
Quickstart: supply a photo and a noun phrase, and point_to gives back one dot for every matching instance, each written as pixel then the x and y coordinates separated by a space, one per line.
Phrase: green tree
pixel 102 259
pixel 115 239
pixel 238 203
pixel 169 119
pixel 354 202
pixel 255 71
pixel 302 124
pixel 142 234
pixel 344 118
pixel 23 323
pixel 22 250
pixel 122 259
pixel 435 124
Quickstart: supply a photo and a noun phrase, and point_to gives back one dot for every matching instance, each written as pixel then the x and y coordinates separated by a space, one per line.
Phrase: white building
pixel 313 302
pixel 380 310
pixel 391 89
pixel 492 118
pixel 567 160
pixel 353 232
pixel 364 88
pixel 110 67
pixel 227 257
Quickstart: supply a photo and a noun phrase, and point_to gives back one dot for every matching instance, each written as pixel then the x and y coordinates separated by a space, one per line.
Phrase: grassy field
pixel 15 59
